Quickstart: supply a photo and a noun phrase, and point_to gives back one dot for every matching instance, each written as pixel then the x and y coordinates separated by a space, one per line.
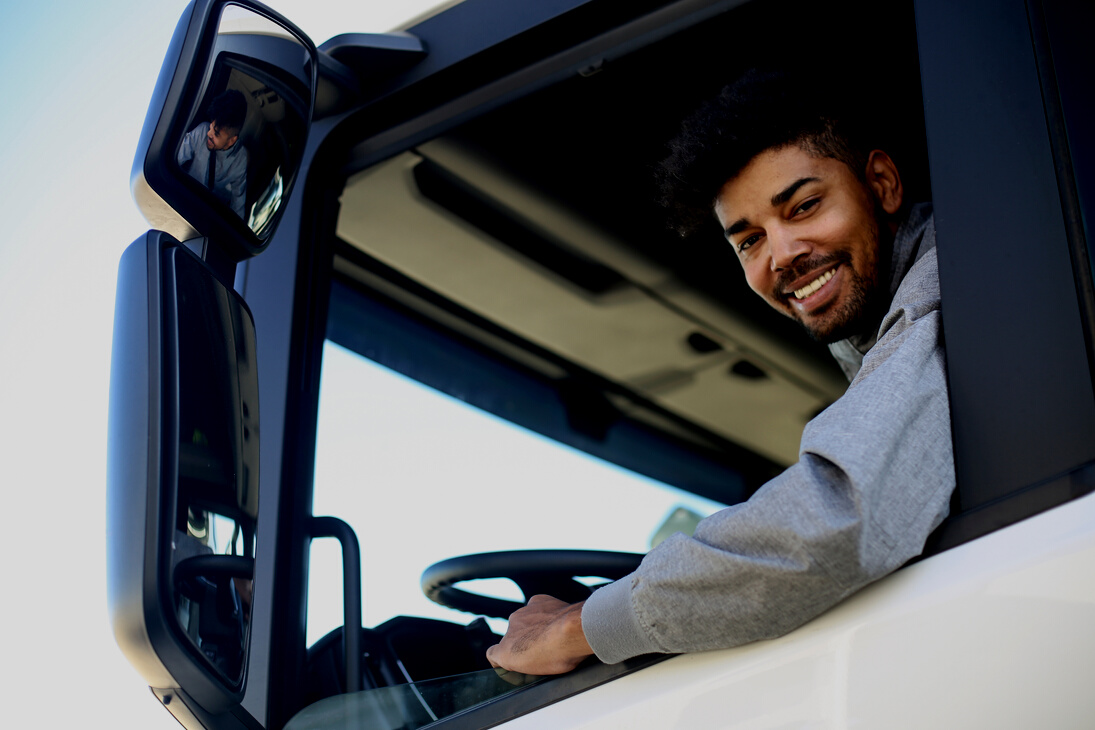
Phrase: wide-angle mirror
pixel 212 540
pixel 220 153
pixel 182 472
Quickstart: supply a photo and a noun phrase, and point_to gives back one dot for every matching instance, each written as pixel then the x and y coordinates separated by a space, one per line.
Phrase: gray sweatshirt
pixel 874 478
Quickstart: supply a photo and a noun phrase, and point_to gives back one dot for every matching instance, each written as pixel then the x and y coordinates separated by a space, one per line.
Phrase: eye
pixel 744 245
pixel 806 206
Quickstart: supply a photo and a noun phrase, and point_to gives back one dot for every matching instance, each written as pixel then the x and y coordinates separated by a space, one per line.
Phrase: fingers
pixel 541 602
pixel 543 637
pixel 517 679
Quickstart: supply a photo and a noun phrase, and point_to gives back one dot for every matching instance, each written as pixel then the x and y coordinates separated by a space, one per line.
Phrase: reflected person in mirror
pixel 817 216
pixel 212 153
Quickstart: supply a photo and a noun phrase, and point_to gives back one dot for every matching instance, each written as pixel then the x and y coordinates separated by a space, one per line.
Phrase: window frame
pixel 1013 458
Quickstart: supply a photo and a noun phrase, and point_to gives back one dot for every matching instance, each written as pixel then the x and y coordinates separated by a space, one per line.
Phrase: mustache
pixel 781 287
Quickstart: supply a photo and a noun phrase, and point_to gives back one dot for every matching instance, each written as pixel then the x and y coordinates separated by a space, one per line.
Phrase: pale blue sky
pixel 75 80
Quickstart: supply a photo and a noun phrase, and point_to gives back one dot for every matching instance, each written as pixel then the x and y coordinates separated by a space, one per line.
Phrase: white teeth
pixel 814 285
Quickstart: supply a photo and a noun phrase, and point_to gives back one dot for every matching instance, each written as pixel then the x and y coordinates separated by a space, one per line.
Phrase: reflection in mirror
pixel 245 142
pixel 216 505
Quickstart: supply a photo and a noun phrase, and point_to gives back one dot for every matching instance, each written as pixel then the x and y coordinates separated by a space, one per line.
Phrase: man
pixel 211 155
pixel 818 220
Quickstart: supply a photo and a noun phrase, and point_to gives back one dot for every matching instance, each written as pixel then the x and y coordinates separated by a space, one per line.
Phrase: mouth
pixel 814 285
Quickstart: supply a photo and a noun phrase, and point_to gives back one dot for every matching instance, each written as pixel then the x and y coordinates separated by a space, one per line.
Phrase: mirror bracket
pixel 374 57
pixel 215 257
pixel 337 88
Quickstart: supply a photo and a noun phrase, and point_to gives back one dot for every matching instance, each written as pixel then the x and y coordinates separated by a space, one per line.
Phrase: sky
pixel 76 78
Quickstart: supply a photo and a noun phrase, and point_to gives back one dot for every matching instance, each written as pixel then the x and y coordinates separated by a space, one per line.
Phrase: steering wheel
pixel 534 571
pixel 212 568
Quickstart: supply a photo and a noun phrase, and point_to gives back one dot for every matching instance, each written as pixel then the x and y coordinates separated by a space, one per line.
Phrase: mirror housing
pixel 182 473
pixel 224 54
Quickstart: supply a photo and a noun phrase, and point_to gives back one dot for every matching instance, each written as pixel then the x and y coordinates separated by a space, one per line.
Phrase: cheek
pixel 835 228
pixel 758 277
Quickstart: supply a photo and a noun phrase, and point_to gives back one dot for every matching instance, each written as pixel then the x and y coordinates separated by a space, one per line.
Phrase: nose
pixel 785 247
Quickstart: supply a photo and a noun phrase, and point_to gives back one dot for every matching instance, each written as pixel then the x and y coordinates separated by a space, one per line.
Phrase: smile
pixel 814 285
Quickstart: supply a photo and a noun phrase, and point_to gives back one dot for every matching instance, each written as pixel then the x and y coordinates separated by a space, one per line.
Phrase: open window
pixel 517 263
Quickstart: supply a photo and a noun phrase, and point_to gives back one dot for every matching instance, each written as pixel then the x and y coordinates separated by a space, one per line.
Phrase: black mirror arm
pixel 372 57
pixel 223 265
pixel 351 592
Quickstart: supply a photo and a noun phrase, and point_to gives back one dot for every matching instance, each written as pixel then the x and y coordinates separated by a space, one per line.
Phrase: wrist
pixel 571 634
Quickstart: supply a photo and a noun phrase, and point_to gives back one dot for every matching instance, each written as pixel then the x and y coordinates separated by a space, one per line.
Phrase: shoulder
pixel 239 154
pixel 912 322
pixel 921 283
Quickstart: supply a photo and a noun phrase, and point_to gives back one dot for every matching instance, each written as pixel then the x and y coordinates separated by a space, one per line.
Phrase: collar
pixel 906 252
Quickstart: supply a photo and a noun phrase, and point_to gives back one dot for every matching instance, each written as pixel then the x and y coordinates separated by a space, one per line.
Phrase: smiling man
pixel 806 232
pixel 818 220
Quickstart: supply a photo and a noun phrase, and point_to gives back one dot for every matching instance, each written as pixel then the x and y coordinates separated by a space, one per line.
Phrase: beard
pixel 859 312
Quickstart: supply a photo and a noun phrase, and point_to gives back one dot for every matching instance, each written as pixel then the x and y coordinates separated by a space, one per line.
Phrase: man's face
pixel 806 232
pixel 220 138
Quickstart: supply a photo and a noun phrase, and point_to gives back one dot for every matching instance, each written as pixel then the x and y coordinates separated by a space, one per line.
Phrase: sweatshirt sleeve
pixel 874 478
pixel 186 149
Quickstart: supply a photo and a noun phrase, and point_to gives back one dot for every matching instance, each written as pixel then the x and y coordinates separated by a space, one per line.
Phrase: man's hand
pixel 544 637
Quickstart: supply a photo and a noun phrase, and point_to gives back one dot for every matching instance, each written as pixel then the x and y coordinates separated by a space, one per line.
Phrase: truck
pixel 462 213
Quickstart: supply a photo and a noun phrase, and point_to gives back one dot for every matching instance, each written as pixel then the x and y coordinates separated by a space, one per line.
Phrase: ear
pixel 884 181
pixel 232 141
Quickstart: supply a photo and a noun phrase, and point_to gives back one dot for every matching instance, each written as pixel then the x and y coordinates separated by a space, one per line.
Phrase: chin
pixel 858 317
pixel 828 336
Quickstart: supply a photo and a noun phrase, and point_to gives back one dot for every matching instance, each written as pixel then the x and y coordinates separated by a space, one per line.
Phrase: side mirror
pixel 225 132
pixel 182 473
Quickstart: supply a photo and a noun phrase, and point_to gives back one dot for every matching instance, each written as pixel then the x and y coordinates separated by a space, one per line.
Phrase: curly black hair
pixel 757 112
pixel 228 110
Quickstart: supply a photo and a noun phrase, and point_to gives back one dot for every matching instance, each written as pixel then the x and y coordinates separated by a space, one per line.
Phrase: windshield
pixel 408 706
pixel 421 477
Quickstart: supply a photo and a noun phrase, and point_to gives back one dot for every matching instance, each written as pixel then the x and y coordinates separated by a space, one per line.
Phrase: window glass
pixel 421 477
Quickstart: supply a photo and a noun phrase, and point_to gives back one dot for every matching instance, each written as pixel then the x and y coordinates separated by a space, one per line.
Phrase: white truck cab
pixel 451 279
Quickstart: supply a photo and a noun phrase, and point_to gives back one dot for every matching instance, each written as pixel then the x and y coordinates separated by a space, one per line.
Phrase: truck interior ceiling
pixel 532 233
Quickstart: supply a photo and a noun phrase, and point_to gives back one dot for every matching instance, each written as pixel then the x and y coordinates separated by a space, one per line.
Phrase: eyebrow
pixel 736 227
pixel 784 195
pixel 777 200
